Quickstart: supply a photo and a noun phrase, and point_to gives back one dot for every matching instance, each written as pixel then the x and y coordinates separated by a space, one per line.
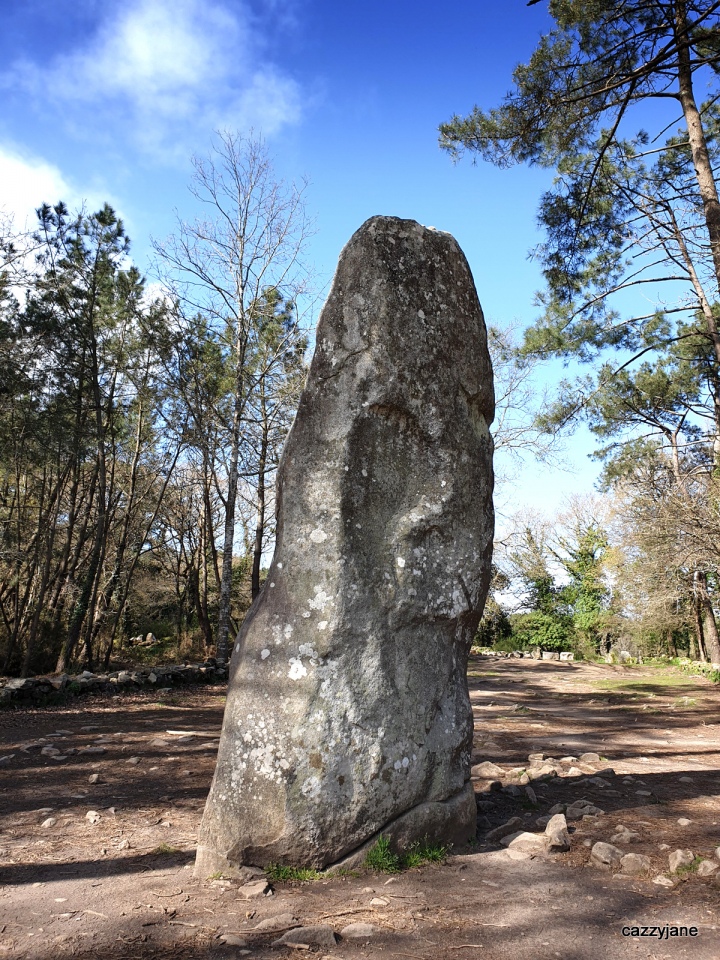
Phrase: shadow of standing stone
pixel 348 712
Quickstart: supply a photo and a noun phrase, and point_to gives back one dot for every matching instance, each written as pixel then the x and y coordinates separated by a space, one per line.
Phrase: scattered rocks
pixel 707 868
pixel 94 778
pixel 679 859
pixel 605 855
pixel 50 822
pixel 37 689
pixel 92 816
pixel 531 795
pixel 589 758
pixel 684 822
pixel 624 835
pixel 582 808
pixel 320 935
pixel 634 864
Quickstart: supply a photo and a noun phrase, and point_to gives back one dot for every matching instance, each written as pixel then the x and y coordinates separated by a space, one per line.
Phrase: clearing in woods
pixel 96 849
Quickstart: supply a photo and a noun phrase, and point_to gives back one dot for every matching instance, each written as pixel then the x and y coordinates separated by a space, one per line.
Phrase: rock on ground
pixel 556 831
pixel 348 712
pixel 605 855
pixel 679 859
pixel 634 864
pixel 320 935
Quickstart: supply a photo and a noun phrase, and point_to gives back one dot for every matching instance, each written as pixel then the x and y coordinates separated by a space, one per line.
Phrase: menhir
pixel 348 713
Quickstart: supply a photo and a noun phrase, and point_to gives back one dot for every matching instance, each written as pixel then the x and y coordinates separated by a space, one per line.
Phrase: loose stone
pixel 282 921
pixel 511 826
pixel 557 833
pixel 605 855
pixel 320 935
pixel 634 864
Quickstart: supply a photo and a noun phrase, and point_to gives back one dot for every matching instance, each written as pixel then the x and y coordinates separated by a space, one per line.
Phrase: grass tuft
pixel 277 872
pixel 381 858
pixel 165 848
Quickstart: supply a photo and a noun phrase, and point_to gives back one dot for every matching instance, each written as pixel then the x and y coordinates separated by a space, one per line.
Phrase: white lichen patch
pixel 264 654
pixel 297 669
pixel 400 562
pixel 318 535
pixel 320 600
pixel 311 788
pixel 322 625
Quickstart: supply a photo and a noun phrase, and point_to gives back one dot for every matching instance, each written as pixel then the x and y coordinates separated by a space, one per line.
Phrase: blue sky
pixel 108 101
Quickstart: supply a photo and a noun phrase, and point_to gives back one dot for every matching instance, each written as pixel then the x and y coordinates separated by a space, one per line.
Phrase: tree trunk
pixel 710 630
pixel 231 500
pixel 260 525
pixel 703 173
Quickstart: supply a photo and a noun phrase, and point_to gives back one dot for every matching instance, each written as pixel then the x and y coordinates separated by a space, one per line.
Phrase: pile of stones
pixel 37 689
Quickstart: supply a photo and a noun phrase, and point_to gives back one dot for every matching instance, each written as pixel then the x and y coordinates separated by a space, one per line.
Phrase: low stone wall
pixel 37 689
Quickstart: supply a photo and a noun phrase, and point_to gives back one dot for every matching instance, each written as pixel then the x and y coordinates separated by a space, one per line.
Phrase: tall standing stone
pixel 348 712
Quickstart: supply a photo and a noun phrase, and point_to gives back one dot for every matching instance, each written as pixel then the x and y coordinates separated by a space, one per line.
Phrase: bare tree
pixel 221 266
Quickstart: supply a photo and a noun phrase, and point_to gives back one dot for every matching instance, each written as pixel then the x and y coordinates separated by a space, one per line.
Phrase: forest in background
pixel 139 434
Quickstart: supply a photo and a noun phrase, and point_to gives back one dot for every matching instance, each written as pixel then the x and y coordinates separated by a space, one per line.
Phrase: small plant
pixel 424 852
pixel 165 848
pixel 689 868
pixel 277 872
pixel 380 857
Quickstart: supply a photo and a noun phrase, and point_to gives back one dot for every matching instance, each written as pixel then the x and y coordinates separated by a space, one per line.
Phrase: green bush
pixel 544 630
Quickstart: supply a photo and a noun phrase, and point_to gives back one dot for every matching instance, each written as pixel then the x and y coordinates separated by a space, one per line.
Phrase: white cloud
pixel 167 67
pixel 28 181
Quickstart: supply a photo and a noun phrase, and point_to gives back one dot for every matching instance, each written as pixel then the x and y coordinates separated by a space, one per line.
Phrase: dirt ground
pixel 97 840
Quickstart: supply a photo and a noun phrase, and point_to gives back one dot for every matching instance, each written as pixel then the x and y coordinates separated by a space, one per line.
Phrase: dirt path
pixel 97 839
